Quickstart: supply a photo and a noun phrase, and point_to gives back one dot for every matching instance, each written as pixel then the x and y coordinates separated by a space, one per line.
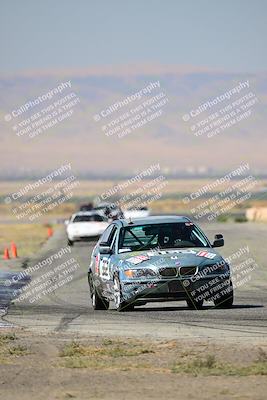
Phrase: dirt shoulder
pixel 60 367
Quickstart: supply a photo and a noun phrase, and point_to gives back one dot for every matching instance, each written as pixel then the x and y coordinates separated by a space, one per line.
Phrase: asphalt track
pixel 68 308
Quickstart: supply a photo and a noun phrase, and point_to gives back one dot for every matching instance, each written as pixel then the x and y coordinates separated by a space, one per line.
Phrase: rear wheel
pixel 193 304
pixel 98 302
pixel 70 242
pixel 120 304
pixel 225 300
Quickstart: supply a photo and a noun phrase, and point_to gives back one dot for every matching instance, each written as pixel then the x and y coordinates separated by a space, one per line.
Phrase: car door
pixel 95 257
pixel 104 260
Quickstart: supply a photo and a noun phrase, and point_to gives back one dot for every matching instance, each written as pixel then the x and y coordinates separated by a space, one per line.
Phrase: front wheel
pixel 194 305
pixel 225 300
pixel 120 304
pixel 70 242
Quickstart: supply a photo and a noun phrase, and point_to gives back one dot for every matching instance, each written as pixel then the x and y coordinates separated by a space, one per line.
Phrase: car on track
pixel 141 212
pixel 85 225
pixel 109 210
pixel 86 207
pixel 163 258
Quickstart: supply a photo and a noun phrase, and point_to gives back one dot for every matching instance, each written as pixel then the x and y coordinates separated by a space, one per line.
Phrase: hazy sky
pixel 47 34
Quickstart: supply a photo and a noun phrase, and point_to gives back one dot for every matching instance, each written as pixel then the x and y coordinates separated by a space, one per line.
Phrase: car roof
pixel 157 219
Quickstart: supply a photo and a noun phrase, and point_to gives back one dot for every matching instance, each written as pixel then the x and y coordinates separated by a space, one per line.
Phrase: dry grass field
pixel 171 199
pixel 29 236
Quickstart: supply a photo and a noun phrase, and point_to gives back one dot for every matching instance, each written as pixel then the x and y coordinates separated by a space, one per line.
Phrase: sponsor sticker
pixel 177 251
pixel 137 259
pixel 182 251
pixel 206 254
pixel 152 253
pixel 163 252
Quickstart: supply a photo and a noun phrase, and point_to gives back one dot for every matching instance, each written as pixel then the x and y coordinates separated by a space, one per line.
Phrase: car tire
pixel 98 303
pixel 120 304
pixel 226 300
pixel 194 305
pixel 70 242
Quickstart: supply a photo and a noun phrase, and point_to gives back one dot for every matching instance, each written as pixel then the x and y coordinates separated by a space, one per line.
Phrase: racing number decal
pixel 104 268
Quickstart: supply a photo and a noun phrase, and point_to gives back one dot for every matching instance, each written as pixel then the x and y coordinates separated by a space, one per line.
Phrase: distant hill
pixel 167 139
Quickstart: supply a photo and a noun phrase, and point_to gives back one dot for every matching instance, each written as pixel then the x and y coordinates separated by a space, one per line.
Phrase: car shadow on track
pixel 184 308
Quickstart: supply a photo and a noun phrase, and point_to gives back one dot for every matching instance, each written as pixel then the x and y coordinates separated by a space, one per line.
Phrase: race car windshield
pixel 88 218
pixel 164 236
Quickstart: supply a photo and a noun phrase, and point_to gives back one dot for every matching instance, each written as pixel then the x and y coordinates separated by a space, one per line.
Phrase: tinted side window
pixel 107 235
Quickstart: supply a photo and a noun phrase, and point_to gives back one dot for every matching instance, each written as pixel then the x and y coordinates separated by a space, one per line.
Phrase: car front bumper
pixel 175 289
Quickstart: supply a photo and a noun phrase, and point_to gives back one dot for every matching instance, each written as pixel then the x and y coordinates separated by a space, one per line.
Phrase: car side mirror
pixel 103 249
pixel 218 240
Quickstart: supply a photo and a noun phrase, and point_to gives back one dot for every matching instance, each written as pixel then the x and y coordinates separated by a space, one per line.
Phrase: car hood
pixel 170 258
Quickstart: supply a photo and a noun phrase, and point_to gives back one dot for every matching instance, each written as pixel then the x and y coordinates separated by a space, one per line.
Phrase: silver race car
pixel 165 258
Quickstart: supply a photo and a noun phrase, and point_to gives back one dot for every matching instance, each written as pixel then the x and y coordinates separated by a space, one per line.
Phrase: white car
pixel 85 225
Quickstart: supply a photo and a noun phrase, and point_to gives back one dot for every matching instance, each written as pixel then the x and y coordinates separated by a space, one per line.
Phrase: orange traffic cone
pixel 14 250
pixel 6 254
pixel 49 231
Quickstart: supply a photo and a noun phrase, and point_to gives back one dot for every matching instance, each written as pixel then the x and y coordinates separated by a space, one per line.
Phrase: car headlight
pixel 221 266
pixel 140 273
